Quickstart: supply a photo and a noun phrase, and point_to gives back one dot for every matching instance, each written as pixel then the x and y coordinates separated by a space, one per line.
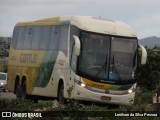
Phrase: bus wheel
pixel 4 90
pixel 23 90
pixel 61 98
pixel 18 91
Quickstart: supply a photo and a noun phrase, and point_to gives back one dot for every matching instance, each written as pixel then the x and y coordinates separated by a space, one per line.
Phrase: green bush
pixel 149 74
pixel 22 105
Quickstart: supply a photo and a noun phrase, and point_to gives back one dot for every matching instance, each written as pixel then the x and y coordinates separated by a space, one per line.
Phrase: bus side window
pixel 46 35
pixel 53 43
pixel 15 36
pixel 28 38
pixel 63 40
pixel 21 37
pixel 36 37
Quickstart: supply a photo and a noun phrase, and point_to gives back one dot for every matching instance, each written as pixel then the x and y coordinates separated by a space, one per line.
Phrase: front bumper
pixel 81 93
pixel 2 86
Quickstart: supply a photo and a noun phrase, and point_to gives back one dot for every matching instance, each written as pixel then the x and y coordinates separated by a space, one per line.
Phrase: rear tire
pixel 18 91
pixel 23 90
pixel 61 98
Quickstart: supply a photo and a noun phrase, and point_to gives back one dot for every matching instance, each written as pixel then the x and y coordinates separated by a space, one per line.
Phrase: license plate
pixel 105 98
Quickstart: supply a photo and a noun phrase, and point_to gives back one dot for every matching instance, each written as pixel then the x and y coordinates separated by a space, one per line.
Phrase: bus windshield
pixel 3 76
pixel 105 58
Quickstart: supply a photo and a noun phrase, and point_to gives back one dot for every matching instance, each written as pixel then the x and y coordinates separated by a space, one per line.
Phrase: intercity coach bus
pixel 74 57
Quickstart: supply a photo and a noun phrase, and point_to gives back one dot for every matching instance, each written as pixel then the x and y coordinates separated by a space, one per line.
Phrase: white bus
pixel 74 57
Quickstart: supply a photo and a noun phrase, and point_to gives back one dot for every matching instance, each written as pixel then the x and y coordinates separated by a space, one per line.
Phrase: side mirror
pixel 144 55
pixel 77 45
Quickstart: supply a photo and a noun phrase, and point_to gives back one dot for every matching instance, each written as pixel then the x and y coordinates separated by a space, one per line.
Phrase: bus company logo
pixel 6 114
pixel 97 85
pixel 28 58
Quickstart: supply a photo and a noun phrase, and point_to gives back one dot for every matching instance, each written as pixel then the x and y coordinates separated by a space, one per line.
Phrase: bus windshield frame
pixel 107 59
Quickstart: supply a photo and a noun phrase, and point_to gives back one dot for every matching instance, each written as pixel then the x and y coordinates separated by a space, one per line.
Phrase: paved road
pixel 7 94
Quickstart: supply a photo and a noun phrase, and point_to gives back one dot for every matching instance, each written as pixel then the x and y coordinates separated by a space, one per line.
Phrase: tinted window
pixel 63 41
pixel 28 38
pixel 46 35
pixel 15 36
pixel 123 53
pixel 21 37
pixel 54 38
pixel 36 37
pixel 94 55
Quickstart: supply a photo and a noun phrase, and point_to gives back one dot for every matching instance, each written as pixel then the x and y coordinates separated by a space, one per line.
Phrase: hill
pixel 150 41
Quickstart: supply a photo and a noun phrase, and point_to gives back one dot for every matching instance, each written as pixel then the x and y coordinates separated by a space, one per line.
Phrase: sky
pixel 142 15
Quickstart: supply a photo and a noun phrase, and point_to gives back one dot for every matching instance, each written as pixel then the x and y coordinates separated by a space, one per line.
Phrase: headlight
pixel 83 85
pixel 2 83
pixel 130 91
pixel 80 82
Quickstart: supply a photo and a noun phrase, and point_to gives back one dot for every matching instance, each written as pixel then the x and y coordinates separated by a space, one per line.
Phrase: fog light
pixel 130 91
pixel 83 85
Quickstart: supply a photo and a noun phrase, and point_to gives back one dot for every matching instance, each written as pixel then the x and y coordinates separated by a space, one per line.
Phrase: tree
pixel 148 76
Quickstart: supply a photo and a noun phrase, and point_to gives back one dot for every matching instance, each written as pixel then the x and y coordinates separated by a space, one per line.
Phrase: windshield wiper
pixel 115 68
pixel 104 66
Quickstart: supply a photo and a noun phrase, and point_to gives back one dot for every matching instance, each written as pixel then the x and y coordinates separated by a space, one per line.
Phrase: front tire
pixel 61 98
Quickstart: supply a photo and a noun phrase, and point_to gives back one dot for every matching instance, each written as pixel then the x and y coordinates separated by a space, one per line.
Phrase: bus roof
pixel 93 24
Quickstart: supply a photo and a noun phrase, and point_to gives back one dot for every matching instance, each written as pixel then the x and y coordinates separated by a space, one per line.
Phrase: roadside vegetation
pixel 77 111
pixel 149 75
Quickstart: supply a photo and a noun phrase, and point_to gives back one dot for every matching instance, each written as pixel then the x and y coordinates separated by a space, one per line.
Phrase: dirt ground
pixel 7 94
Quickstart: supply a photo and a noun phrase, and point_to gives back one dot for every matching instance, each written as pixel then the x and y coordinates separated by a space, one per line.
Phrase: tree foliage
pixel 148 76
